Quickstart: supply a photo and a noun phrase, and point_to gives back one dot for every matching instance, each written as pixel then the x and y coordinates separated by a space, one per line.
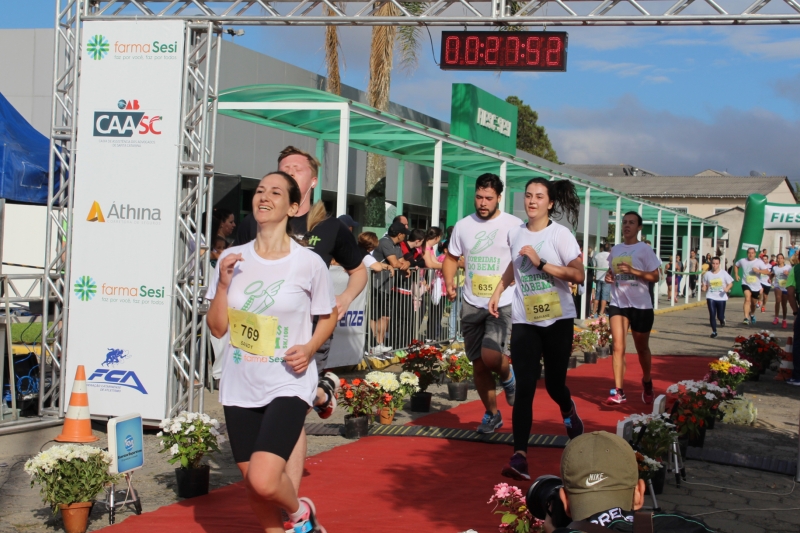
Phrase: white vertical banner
pixel 124 214
pixel 347 346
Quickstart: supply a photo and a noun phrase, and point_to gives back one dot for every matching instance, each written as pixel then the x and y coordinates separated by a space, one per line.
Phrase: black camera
pixel 542 500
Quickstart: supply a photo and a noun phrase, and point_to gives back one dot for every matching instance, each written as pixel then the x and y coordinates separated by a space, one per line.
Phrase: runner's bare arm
pixel 449 268
pixel 299 355
pixel 729 287
pixel 573 272
pixel 217 317
pixel 625 268
pixel 506 280
pixel 736 272
pixel 356 284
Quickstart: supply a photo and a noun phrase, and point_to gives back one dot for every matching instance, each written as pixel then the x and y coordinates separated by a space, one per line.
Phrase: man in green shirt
pixel 791 287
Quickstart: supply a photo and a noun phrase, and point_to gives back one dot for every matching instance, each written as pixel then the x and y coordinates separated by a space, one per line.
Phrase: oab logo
pixel 112 380
pixel 125 122
pixel 123 213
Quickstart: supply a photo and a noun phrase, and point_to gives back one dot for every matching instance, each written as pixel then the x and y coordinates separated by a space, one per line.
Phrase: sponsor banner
pixel 347 346
pixel 124 213
pixel 781 217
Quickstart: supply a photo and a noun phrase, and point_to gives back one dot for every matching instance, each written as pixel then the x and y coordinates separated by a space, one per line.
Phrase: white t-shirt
pixel 369 261
pixel 781 275
pixel 746 274
pixel 601 264
pixel 292 289
pixel 535 291
pixel 765 277
pixel 716 284
pixel 629 290
pixel 484 245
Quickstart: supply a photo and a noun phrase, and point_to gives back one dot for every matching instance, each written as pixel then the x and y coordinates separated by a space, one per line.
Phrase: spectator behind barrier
pixel 601 491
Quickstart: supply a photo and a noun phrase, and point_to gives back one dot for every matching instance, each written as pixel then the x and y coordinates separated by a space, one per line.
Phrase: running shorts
pixel 274 428
pixel 641 319
pixel 482 329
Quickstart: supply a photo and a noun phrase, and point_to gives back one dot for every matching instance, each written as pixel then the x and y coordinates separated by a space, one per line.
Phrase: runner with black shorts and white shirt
pixel 717 283
pixel 780 273
pixel 482 239
pixel 264 294
pixel 752 268
pixel 634 265
pixel 546 259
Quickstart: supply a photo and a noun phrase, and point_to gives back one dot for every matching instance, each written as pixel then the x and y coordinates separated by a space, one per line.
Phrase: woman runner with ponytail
pixel 545 259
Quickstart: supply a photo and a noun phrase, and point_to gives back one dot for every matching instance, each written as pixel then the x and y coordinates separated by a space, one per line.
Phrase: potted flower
pixel 390 394
pixel 360 398
pixel 459 370
pixel 761 350
pixel 425 362
pixel 585 341
pixel 651 471
pixel 601 327
pixel 188 437
pixel 694 401
pixel 653 437
pixel 515 517
pixel 739 411
pixel 71 476
pixel 729 371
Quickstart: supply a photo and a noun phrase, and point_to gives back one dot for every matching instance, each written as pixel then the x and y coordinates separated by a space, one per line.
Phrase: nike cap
pixel 599 471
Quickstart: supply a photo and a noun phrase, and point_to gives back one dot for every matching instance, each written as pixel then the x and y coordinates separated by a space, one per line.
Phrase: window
pixel 681 209
pixel 718 210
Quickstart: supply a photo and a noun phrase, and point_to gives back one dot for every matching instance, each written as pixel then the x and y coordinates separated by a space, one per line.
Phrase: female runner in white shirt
pixel 545 259
pixel 265 293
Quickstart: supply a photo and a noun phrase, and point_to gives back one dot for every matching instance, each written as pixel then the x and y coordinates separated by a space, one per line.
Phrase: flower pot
pixel 421 402
pixel 658 479
pixel 753 376
pixel 457 391
pixel 356 427
pixel 590 357
pixel 75 516
pixel 603 351
pixel 697 441
pixel 712 419
pixel 192 481
pixel 573 362
pixel 386 415
pixel 739 389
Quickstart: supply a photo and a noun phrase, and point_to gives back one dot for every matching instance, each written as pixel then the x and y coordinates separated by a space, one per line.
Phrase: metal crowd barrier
pixel 407 306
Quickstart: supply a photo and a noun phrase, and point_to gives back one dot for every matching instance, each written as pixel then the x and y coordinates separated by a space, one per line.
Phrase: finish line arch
pixel 760 215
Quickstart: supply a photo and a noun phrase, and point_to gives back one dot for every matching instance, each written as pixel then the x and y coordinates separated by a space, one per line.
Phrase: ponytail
pixel 316 214
pixel 564 197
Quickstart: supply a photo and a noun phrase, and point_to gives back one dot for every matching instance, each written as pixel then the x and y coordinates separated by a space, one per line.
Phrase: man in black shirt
pixel 602 488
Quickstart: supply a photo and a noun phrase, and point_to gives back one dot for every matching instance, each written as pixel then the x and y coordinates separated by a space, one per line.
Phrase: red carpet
pixel 401 484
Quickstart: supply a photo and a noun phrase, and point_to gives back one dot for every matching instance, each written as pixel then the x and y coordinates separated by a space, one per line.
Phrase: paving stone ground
pixel 741 501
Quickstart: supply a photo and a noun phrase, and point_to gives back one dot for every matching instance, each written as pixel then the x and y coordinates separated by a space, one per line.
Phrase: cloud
pixel 670 144
pixel 788 88
pixel 624 70
pixel 657 79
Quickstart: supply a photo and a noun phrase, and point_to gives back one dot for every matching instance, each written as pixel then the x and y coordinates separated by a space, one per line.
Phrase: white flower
pixel 213 431
pixel 189 429
pixel 175 449
pixel 160 434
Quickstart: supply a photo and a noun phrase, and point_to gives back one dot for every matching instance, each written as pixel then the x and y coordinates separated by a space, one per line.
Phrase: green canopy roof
pixel 382 133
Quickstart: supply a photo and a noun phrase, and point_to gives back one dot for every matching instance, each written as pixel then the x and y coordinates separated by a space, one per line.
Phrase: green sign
pixel 481 117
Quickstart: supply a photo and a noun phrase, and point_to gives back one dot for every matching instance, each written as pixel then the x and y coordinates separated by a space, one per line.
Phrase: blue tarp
pixel 24 158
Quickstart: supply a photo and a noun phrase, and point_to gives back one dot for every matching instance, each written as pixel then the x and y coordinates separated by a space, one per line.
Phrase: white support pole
pixel 401 185
pixel 687 253
pixel 321 172
pixel 674 260
pixel 437 184
pixel 700 261
pixel 617 224
pixel 503 172
pixel 714 250
pixel 639 236
pixel 344 152
pixel 597 240
pixel 586 208
pixel 658 254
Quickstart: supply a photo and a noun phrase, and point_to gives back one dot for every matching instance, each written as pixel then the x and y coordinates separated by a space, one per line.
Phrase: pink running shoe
pixel 615 398
pixel 784 325
pixel 775 322
pixel 308 522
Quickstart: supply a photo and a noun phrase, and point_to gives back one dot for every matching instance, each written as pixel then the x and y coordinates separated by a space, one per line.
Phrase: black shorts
pixel 274 428
pixel 765 288
pixel 641 319
pixel 753 294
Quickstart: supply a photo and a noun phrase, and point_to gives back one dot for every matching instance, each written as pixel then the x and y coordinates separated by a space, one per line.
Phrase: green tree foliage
pixel 531 137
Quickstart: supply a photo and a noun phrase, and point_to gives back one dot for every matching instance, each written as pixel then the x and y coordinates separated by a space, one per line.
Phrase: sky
pixel 672 100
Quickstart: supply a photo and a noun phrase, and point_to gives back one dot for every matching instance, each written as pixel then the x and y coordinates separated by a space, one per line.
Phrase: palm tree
pixel 332 47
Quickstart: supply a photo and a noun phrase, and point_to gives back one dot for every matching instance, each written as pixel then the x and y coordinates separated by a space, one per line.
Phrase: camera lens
pixel 540 495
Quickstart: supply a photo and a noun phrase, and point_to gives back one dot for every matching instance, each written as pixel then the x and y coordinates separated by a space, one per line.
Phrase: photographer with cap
pixel 600 491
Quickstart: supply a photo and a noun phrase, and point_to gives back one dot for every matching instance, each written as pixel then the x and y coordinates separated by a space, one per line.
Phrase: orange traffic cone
pixel 77 425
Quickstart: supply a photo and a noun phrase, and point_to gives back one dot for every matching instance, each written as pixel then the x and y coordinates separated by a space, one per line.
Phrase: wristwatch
pixel 542 263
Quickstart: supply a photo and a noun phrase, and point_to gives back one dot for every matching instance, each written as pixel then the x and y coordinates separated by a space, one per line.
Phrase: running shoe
pixel 616 398
pixel 763 309
pixel 784 325
pixel 753 320
pixel 722 323
pixel 573 423
pixel 775 322
pixel 308 522
pixel 517 468
pixel 510 387
pixel 490 423
pixel 647 393
pixel 713 335
pixel 330 384
pixel 793 381
pixel 746 322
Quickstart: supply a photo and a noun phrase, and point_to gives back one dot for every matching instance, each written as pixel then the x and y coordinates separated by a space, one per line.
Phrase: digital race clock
pixel 504 50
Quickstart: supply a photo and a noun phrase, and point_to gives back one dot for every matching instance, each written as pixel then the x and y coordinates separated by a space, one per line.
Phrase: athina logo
pixel 125 122
pixel 85 288
pixel 124 213
pixel 97 47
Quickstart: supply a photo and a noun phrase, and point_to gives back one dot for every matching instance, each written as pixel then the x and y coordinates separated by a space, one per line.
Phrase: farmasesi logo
pixel 97 47
pixel 85 288
pixel 110 379
pixel 124 214
pixel 126 121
